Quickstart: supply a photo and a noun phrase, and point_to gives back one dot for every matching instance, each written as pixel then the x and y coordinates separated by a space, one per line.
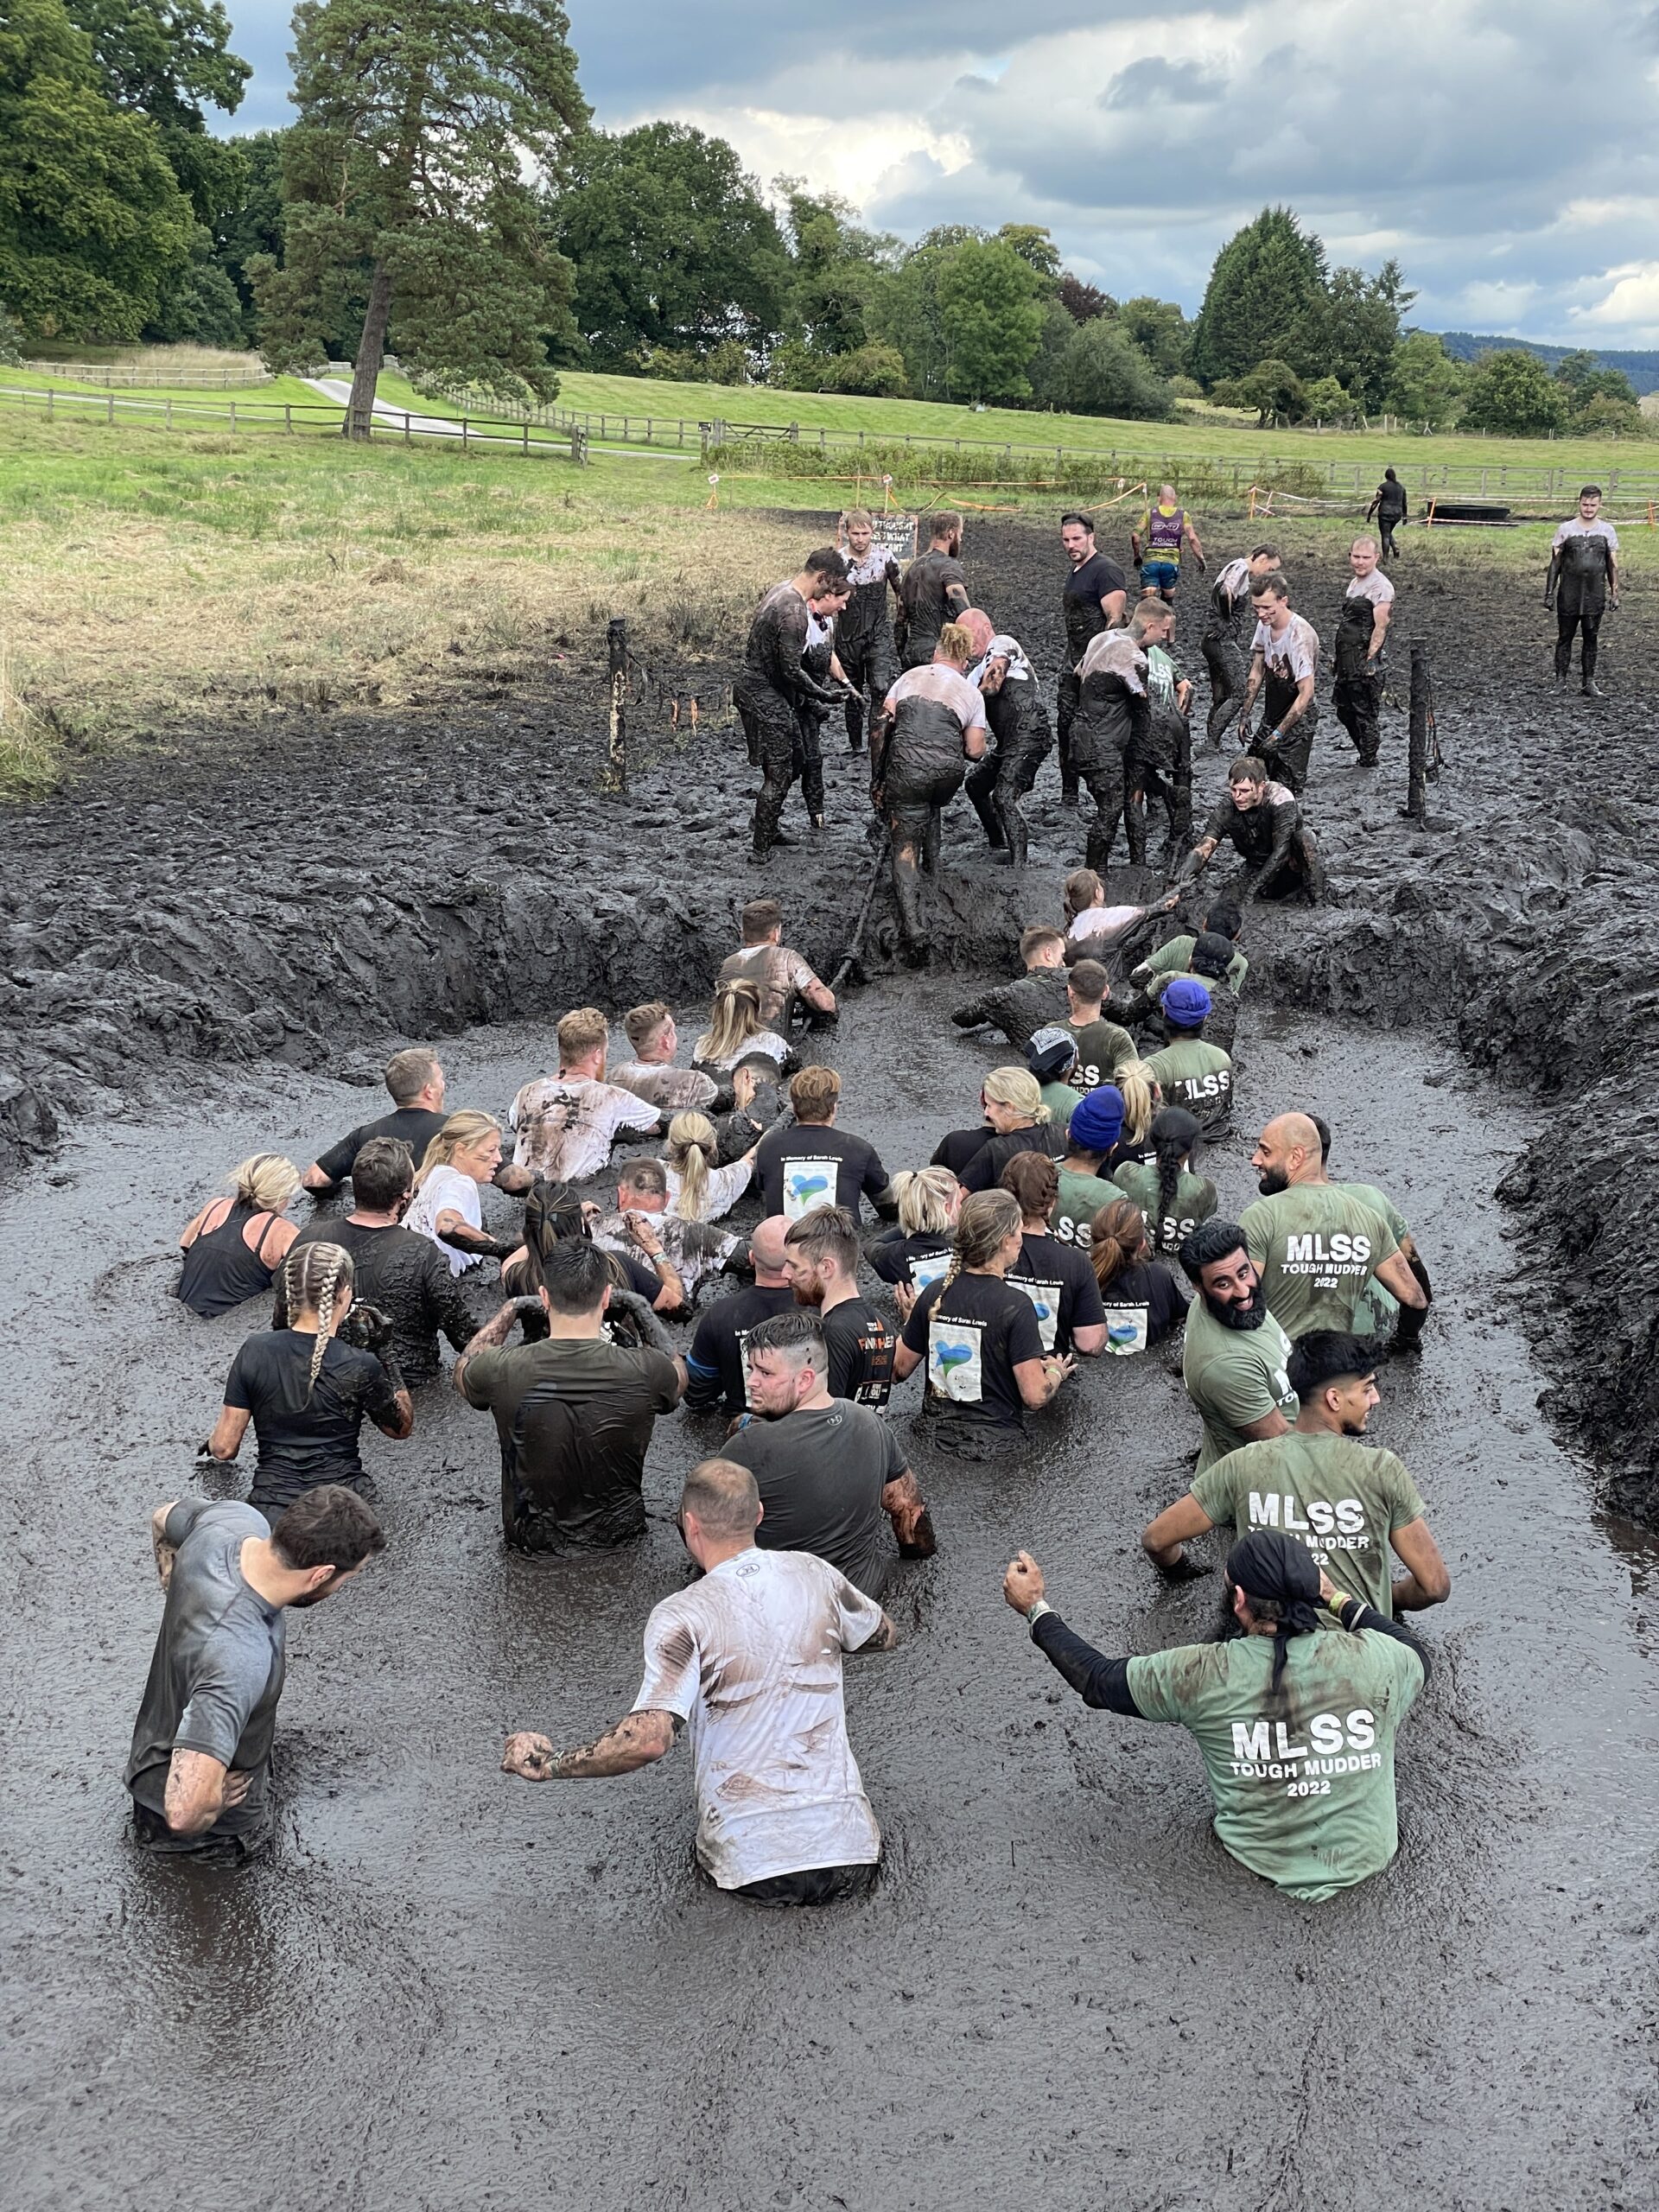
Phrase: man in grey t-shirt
pixel 200 1769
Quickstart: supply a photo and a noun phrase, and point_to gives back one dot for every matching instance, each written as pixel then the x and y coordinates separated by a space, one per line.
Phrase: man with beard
pixel 1018 721
pixel 1315 1246
pixel 1263 823
pixel 1350 1504
pixel 1583 578
pixel 934 591
pixel 1362 632
pixel 1226 626
pixel 774 683
pixel 863 632
pixel 1095 599
pixel 1237 1358
pixel 1285 668
pixel 821 1257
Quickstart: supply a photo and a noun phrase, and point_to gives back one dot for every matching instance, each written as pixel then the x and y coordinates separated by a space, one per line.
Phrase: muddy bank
pixel 322 888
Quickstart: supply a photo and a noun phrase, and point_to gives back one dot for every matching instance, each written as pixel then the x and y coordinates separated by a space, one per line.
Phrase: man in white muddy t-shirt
pixel 750 1658
pixel 564 1125
pixel 1583 580
pixel 1284 668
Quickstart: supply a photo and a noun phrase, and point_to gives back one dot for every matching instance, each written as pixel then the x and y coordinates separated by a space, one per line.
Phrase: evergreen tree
pixel 1266 282
pixel 1513 392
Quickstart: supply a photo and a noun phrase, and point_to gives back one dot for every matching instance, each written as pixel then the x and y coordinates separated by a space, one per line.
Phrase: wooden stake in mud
pixel 617 643
pixel 1416 807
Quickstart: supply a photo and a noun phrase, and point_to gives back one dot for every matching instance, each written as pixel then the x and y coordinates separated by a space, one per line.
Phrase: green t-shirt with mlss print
pixel 1302 1779
pixel 1194 1074
pixel 1081 1198
pixel 1234 1378
pixel 1175 958
pixel 1374 1314
pixel 1342 1498
pixel 1315 1247
pixel 1104 1047
pixel 1195 1201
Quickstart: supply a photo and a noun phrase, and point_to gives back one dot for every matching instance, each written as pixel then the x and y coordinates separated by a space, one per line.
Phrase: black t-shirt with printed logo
pixel 860 1346
pixel 802 1165
pixel 1059 1280
pixel 973 1333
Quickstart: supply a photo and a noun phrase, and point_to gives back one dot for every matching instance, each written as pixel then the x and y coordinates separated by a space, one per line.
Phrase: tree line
pixel 444 195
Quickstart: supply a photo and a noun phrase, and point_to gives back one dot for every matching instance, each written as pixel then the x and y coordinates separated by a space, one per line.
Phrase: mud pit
pixel 452 1990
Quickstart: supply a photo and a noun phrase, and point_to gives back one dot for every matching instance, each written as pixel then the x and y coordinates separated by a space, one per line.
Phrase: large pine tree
pixel 1265 290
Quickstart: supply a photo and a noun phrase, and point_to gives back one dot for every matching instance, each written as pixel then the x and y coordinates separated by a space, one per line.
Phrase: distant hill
pixel 1642 368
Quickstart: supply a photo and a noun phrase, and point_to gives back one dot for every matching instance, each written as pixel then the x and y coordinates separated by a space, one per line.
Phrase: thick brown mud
pixel 452 1990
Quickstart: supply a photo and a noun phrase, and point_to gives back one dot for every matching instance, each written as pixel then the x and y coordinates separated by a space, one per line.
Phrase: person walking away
pixel 1188 1070
pixel 1581 583
pixel 931 725
pixel 1056 1278
pixel 810 1162
pixel 233 1247
pixel 415 1083
pixel 1021 1121
pixel 716 1372
pixel 1112 730
pixel 918 1252
pixel 1362 633
pixel 565 1126
pixel 1172 1198
pixel 773 684
pixel 1156 540
pixel 784 977
pixel 932 593
pixel 1141 1301
pixel 748 1660
pixel 1388 509
pixel 1096 1125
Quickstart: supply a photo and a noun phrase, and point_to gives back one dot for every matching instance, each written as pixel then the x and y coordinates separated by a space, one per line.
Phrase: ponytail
pixel 314 1277
pixel 692 1146
pixel 1118 1236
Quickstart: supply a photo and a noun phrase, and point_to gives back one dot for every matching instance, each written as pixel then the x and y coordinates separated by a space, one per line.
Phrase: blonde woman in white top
pixel 462 1157
pixel 698 1189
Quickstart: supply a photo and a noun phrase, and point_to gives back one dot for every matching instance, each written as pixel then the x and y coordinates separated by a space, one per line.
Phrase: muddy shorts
pixel 1158 575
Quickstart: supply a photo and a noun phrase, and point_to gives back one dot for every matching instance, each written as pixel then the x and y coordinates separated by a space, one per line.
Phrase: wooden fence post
pixel 617 648
pixel 1416 806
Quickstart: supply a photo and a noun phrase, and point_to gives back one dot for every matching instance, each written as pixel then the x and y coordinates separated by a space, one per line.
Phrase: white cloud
pixel 861 157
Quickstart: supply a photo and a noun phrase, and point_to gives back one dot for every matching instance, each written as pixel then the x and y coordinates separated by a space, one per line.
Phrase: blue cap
pixel 1187 1002
pixel 1097 1120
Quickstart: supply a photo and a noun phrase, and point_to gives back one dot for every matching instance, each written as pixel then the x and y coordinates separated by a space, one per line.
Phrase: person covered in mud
pixel 863 629
pixel 1021 741
pixel 932 593
pixel 782 977
pixel 1188 1068
pixel 415 1083
pixel 651 1074
pixel 1354 1506
pixel 1161 766
pixel 716 1372
pixel 1262 822
pixel 699 1187
pixel 1141 1299
pixel 738 1043
pixel 1378 1307
pixel 821 663
pixel 199 1771
pixel 774 683
pixel 1095 929
pixel 1582 584
pixel 931 725
pixel 1020 1121
pixel 821 1257
pixel 1036 1001
pixel 1096 1125
pixel 1172 1198
pixel 1103 1046
pixel 1296 1728
pixel 1316 1247
pixel 748 1657
pixel 695 1249
pixel 1156 541
pixel 1229 622
pixel 307 1387
pixel 1056 1277
pixel 918 1251
pixel 1362 633
pixel 404 1276
pixel 808 1162
pixel 1388 509
pixel 979 1336
pixel 1236 1359
pixel 448 1206
pixel 233 1247
pixel 574 1413
pixel 1284 670
pixel 1095 598
pixel 565 1125
pixel 832 1474
pixel 1174 957
pixel 1112 736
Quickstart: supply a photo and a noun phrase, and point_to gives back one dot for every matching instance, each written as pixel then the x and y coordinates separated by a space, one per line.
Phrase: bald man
pixel 1315 1246
pixel 1361 633
pixel 716 1371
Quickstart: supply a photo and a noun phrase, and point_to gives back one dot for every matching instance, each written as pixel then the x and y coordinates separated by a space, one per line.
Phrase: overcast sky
pixel 1509 154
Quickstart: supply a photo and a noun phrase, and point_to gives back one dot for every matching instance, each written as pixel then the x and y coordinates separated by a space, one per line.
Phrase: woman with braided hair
pixel 1173 1199
pixel 307 1388
pixel 979 1335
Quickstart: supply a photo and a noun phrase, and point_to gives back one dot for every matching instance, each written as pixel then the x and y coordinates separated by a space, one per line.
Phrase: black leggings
pixel 813 1885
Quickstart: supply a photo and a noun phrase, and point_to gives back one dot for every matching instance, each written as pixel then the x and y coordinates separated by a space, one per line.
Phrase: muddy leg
pixel 1590 623
pixel 982 786
pixel 1070 694
pixel 1106 789
pixel 778 742
pixel 906 884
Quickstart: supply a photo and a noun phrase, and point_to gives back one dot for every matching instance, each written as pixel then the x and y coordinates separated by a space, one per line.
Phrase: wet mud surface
pixel 452 1990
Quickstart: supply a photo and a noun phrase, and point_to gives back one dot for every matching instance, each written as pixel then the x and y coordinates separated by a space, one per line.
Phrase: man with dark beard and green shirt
pixel 1296 1729
pixel 1237 1358
pixel 1352 1505
pixel 1317 1247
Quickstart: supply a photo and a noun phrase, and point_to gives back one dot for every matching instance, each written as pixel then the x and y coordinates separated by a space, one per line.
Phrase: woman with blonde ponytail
pixel 1138 1087
pixel 1013 1101
pixel 979 1335
pixel 918 1252
pixel 307 1388
pixel 697 1189
pixel 736 1034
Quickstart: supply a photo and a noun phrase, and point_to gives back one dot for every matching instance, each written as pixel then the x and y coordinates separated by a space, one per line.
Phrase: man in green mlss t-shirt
pixel 1351 1506
pixel 1236 1361
pixel 1316 1247
pixel 1296 1730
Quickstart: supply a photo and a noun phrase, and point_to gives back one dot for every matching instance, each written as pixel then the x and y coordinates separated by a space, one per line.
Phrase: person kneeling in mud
pixel 1018 722
pixel 931 724
pixel 1296 1727
pixel 1263 824
pixel 749 1658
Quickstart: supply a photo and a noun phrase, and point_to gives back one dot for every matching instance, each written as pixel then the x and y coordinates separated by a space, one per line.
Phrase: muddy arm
pixel 638 1739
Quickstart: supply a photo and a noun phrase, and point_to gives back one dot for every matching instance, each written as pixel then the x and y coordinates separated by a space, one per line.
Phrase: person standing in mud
pixel 1163 764
pixel 1316 1247
pixel 933 592
pixel 1227 624
pixel 1361 633
pixel 1095 598
pixel 931 725
pixel 773 684
pixel 1582 583
pixel 863 630
pixel 1389 508
pixel 1285 668
pixel 1155 543
pixel 1018 721
pixel 1112 734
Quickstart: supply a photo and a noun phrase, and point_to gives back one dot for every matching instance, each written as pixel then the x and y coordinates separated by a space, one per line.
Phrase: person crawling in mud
pixel 1037 1000
pixel 748 1659
pixel 1582 584
pixel 931 725
pixel 416 1082
pixel 1295 1722
pixel 932 593
pixel 785 978
pixel 863 630
pixel 1262 822
pixel 775 683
